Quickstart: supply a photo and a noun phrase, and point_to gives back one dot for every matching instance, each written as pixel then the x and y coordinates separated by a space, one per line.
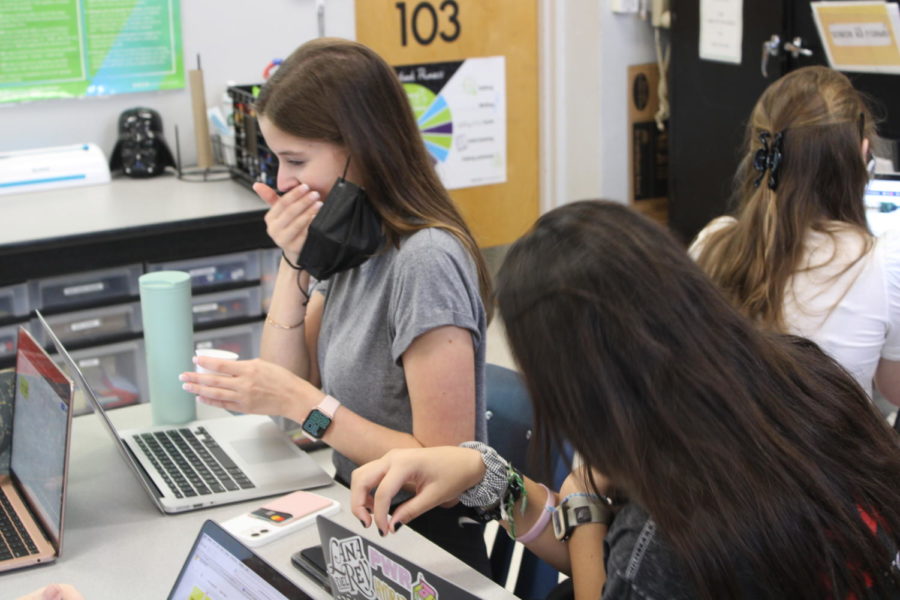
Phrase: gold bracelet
pixel 277 325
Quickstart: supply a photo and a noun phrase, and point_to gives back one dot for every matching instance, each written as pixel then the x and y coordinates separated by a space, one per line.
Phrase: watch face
pixel 583 514
pixel 316 423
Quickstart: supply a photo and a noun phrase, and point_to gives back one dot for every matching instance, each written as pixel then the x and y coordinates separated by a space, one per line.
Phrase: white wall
pixel 236 39
pixel 587 50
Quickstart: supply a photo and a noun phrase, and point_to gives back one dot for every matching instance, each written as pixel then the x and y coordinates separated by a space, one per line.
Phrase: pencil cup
pixel 168 343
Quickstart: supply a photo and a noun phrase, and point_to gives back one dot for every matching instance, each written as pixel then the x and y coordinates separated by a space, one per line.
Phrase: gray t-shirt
pixel 373 313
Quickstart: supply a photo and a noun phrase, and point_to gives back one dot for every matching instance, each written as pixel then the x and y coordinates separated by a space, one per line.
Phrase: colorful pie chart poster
pixel 460 107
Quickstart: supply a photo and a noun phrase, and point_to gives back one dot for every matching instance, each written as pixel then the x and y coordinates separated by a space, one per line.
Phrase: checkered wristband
pixel 489 491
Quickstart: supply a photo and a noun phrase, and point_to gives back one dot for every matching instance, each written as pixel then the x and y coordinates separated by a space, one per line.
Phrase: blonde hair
pixel 820 185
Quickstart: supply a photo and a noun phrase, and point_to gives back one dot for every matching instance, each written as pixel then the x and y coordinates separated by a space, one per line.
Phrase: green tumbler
pixel 168 344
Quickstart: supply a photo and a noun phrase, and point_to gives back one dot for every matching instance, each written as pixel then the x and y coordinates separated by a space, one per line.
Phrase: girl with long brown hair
pixel 720 460
pixel 385 348
pixel 798 256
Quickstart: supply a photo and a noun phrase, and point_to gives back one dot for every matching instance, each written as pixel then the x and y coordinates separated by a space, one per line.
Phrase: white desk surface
pixel 118 545
pixel 124 203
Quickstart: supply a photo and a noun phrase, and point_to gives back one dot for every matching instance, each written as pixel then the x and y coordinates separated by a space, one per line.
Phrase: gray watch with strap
pixel 580 509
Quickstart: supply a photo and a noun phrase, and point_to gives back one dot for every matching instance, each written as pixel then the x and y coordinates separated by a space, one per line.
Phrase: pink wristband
pixel 541 524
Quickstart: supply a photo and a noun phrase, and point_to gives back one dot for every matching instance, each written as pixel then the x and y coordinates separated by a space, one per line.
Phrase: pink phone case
pixel 280 517
pixel 298 504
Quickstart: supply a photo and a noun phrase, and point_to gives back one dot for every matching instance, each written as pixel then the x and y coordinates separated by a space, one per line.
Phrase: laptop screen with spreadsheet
pixel 222 568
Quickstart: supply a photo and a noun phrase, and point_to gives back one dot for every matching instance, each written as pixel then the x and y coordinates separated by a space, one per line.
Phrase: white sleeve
pixel 890 249
pixel 699 242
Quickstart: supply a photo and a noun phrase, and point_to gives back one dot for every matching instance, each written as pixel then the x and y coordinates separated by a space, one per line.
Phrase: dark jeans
pixel 453 530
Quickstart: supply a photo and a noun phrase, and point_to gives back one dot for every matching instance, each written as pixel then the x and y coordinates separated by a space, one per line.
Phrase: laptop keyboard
pixel 192 465
pixel 14 538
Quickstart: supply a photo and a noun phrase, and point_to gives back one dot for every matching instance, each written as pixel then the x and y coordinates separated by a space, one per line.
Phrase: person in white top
pixel 798 256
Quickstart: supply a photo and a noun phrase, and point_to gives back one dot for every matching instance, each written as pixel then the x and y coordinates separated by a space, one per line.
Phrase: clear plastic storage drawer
pixel 13 301
pixel 226 306
pixel 116 373
pixel 242 339
pixel 67 291
pixel 269 261
pixel 215 270
pixel 8 336
pixel 92 325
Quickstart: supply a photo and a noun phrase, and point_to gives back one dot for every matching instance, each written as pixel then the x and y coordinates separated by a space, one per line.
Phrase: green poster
pixel 75 48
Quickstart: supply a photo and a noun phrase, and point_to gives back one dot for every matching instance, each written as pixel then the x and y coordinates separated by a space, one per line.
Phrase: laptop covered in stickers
pixel 359 568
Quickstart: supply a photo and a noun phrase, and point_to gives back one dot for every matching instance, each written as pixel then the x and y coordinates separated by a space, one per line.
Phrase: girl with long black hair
pixel 720 460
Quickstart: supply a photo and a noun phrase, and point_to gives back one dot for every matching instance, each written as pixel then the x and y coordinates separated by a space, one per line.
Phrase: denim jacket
pixel 638 564
pixel 641 566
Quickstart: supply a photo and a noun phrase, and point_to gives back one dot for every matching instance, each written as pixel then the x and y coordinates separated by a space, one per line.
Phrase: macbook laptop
pixel 220 567
pixel 882 200
pixel 359 568
pixel 33 493
pixel 883 189
pixel 205 463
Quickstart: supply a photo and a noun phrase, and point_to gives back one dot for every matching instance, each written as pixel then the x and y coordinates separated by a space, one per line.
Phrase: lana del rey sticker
pixel 360 571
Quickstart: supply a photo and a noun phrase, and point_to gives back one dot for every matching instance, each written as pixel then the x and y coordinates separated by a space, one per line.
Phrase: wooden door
pixel 440 31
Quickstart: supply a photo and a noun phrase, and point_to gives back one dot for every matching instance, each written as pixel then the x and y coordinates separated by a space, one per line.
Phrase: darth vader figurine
pixel 141 150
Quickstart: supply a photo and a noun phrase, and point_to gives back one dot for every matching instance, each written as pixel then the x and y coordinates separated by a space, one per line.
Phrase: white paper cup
pixel 215 353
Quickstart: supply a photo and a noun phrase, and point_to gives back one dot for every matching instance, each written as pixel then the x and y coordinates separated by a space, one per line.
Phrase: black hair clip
pixel 769 158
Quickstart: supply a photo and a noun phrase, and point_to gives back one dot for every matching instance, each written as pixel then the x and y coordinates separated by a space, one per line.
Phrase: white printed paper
pixel 721 30
pixel 860 36
pixel 460 107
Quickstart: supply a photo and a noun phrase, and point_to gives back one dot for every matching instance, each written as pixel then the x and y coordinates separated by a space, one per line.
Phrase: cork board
pixel 647 144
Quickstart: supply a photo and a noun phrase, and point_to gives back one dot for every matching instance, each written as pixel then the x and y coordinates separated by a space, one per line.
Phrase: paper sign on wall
pixel 860 36
pixel 460 107
pixel 74 48
pixel 721 30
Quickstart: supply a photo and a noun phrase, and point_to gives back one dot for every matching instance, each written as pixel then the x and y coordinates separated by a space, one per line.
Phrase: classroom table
pixel 116 543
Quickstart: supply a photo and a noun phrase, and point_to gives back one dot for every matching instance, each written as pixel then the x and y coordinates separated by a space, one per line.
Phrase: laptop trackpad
pixel 261 450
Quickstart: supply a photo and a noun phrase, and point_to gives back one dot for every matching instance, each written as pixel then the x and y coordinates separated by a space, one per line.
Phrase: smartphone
pixel 312 562
pixel 280 517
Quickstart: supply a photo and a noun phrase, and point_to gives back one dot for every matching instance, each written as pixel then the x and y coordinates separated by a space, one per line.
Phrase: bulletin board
pixel 492 176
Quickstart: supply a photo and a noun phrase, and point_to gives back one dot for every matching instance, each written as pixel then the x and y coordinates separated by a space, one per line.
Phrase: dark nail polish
pixel 397 527
pixel 380 532
pixel 363 523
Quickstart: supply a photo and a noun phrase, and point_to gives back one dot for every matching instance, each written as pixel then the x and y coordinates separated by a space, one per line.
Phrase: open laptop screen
pixel 222 568
pixel 883 188
pixel 40 430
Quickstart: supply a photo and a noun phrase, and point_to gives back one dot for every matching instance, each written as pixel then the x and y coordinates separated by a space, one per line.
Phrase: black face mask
pixel 345 233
